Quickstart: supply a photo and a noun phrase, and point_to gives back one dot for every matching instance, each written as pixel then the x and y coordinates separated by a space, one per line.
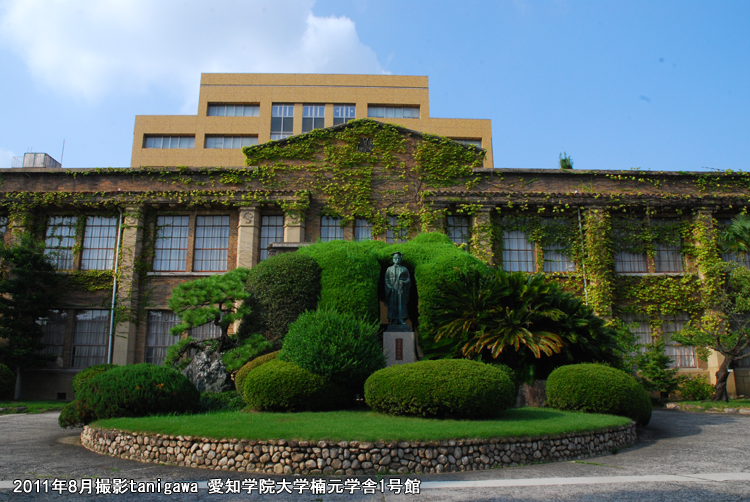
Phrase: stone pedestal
pixel 399 345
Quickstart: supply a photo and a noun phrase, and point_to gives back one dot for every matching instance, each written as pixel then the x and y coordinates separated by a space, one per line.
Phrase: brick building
pixel 627 241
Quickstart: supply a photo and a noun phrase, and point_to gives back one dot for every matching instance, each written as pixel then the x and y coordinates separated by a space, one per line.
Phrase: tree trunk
pixel 17 392
pixel 720 390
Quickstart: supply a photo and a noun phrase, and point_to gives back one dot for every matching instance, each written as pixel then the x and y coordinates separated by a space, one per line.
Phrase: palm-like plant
pixel 736 237
pixel 498 310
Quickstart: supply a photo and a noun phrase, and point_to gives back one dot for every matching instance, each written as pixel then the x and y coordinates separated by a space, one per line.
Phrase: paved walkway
pixel 679 456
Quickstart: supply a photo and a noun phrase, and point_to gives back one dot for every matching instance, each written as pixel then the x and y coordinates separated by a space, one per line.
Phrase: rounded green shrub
pixel 137 390
pixel 85 376
pixel 7 382
pixel 284 386
pixel 246 351
pixel 339 347
pixel 446 388
pixel 696 388
pixel 281 288
pixel 69 417
pixel 239 377
pixel 595 388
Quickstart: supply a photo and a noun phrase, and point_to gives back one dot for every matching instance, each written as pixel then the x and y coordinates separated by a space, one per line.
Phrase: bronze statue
pixel 397 284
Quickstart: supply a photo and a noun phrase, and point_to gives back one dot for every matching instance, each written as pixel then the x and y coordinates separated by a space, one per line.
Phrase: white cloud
pixel 90 48
pixel 6 157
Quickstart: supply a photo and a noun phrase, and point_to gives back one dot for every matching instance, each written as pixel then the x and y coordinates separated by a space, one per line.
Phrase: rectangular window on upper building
pixel 519 254
pixel 313 117
pixel 393 112
pixel 343 114
pixel 458 229
pixel 211 243
pixel 271 230
pixel 362 230
pixel 60 241
pixel 99 240
pixel 282 120
pixel 230 142
pixel 630 241
pixel 90 338
pixel 395 231
pixel 667 246
pixel 169 142
pixel 216 110
pixel 330 229
pixel 640 326
pixel 3 225
pixel 170 248
pixel 469 142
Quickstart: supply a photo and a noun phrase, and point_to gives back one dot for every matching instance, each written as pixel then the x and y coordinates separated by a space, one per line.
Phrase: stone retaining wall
pixel 352 457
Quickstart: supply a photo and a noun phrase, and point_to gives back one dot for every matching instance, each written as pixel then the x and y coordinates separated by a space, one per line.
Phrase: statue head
pixel 396 258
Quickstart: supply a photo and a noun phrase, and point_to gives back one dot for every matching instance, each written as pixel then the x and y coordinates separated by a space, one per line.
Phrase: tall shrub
pixel 280 289
pixel 338 347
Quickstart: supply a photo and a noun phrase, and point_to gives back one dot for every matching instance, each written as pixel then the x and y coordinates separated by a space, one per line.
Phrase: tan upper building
pixel 241 109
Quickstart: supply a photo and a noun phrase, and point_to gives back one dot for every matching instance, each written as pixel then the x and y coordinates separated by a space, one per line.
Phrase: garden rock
pixel 208 373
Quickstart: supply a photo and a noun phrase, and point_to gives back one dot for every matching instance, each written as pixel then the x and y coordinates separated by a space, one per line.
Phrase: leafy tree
pixel 736 237
pixel 656 371
pixel 522 320
pixel 27 292
pixel 724 327
pixel 217 299
pixel 565 162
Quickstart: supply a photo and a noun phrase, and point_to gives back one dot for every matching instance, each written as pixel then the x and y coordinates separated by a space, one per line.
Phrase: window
pixel 343 114
pixel 362 230
pixel 639 326
pixel 470 142
pixel 233 110
pixel 557 261
pixel 282 121
pixel 61 239
pixel 90 338
pixel 271 230
pixel 170 249
pixel 313 117
pixel 518 253
pixel 158 338
pixel 205 331
pixel 211 243
pixel 667 255
pixel 743 362
pixel 54 328
pixel 3 225
pixel 330 229
pixel 636 240
pixel 630 263
pixel 230 142
pixel 393 112
pixel 682 357
pixel 458 229
pixel 394 232
pixel 169 142
pixel 99 243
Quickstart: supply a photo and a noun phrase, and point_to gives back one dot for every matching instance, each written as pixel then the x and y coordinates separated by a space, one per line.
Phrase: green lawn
pixel 31 406
pixel 364 425
pixel 733 403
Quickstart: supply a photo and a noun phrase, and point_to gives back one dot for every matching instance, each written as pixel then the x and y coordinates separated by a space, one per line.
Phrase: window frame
pixel 512 255
pixel 150 142
pixel 456 223
pixel 313 116
pixel 344 110
pixel 265 240
pixel 330 229
pixel 96 358
pixel 248 109
pixel 213 140
pixel 393 111
pixel 285 120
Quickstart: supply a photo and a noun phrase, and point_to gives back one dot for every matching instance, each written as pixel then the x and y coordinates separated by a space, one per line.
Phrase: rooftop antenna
pixel 63 152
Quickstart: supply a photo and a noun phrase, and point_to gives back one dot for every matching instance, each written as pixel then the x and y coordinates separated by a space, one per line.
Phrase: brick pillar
pixel 123 351
pixel 599 261
pixel 294 227
pixel 248 237
pixel 481 243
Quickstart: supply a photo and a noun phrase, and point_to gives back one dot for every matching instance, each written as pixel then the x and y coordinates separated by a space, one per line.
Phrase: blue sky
pixel 660 85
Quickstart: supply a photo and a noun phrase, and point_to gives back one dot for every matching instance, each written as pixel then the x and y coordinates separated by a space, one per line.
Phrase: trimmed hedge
pixel 281 288
pixel 595 388
pixel 282 386
pixel 69 417
pixel 84 377
pixel 446 388
pixel 135 391
pixel 7 382
pixel 230 400
pixel 239 377
pixel 339 347
pixel 349 277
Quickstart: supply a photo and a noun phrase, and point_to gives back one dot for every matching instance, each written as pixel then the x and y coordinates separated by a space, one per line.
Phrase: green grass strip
pixel 31 406
pixel 364 425
pixel 706 405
